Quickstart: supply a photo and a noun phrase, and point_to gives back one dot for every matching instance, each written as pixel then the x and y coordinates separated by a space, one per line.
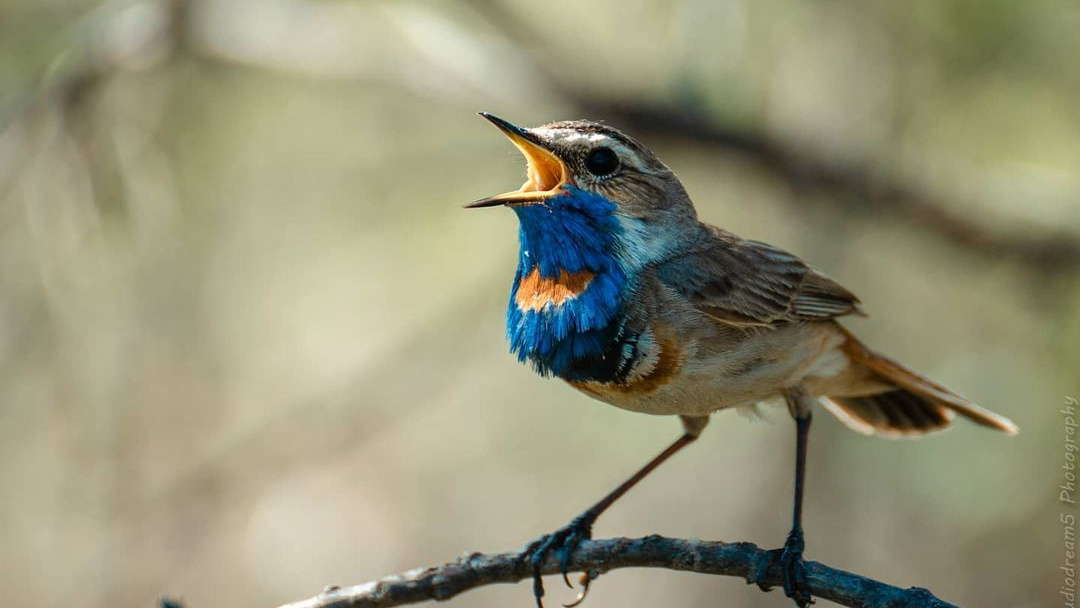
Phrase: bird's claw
pixel 790 560
pixel 586 580
pixel 560 543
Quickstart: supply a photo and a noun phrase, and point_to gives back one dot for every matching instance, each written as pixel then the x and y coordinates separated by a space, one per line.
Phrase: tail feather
pixel 895 413
pixel 915 406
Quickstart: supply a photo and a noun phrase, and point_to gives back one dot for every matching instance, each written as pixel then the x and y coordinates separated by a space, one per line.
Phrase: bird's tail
pixel 914 406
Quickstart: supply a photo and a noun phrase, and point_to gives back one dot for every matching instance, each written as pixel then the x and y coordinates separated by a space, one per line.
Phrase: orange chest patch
pixel 534 292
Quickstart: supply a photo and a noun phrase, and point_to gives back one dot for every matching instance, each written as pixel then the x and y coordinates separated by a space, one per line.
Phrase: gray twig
pixel 707 557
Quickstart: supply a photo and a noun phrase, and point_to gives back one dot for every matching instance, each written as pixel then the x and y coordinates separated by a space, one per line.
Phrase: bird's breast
pixel 569 323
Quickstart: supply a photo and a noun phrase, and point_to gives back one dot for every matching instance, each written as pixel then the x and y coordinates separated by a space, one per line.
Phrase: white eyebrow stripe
pixel 569 135
pixel 590 137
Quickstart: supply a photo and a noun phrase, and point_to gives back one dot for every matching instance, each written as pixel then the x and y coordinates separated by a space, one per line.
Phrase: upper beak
pixel 546 172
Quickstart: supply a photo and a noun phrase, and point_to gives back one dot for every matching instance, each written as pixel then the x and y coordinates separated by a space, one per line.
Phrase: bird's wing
pixel 749 283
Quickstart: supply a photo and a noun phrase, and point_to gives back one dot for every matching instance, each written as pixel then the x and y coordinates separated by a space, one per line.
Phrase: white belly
pixel 712 376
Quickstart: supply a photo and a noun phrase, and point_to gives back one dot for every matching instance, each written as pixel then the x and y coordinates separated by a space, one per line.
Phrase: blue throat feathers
pixel 565 311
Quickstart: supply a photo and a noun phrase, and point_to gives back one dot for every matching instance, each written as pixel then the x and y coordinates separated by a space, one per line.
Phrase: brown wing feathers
pixel 745 282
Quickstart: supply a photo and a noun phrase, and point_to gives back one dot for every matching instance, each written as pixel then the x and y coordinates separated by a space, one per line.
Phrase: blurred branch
pixel 853 187
pixel 115 38
pixel 728 559
pixel 141 35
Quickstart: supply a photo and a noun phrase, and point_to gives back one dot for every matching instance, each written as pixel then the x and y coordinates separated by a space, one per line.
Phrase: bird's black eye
pixel 602 162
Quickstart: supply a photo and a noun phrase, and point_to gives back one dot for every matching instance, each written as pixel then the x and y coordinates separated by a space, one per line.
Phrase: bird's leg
pixel 563 541
pixel 790 557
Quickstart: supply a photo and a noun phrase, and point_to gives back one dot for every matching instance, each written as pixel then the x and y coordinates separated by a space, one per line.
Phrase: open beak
pixel 546 172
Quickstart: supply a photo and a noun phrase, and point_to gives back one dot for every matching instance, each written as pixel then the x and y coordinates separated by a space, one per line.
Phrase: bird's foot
pixel 560 543
pixel 790 559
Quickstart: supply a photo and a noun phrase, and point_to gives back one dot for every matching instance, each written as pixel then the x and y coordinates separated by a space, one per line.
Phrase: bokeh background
pixel 251 345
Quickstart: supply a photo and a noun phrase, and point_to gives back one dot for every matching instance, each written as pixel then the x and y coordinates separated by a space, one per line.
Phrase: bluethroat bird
pixel 623 293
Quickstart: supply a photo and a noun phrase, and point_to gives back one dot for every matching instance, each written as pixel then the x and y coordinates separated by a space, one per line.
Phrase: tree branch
pixel 707 557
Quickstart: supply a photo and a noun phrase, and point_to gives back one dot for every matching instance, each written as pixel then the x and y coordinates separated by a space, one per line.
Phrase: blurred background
pixel 251 345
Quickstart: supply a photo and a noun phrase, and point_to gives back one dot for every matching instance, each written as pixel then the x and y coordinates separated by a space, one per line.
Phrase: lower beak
pixel 547 173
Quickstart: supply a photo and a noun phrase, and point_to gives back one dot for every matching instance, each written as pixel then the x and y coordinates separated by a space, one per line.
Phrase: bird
pixel 624 294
